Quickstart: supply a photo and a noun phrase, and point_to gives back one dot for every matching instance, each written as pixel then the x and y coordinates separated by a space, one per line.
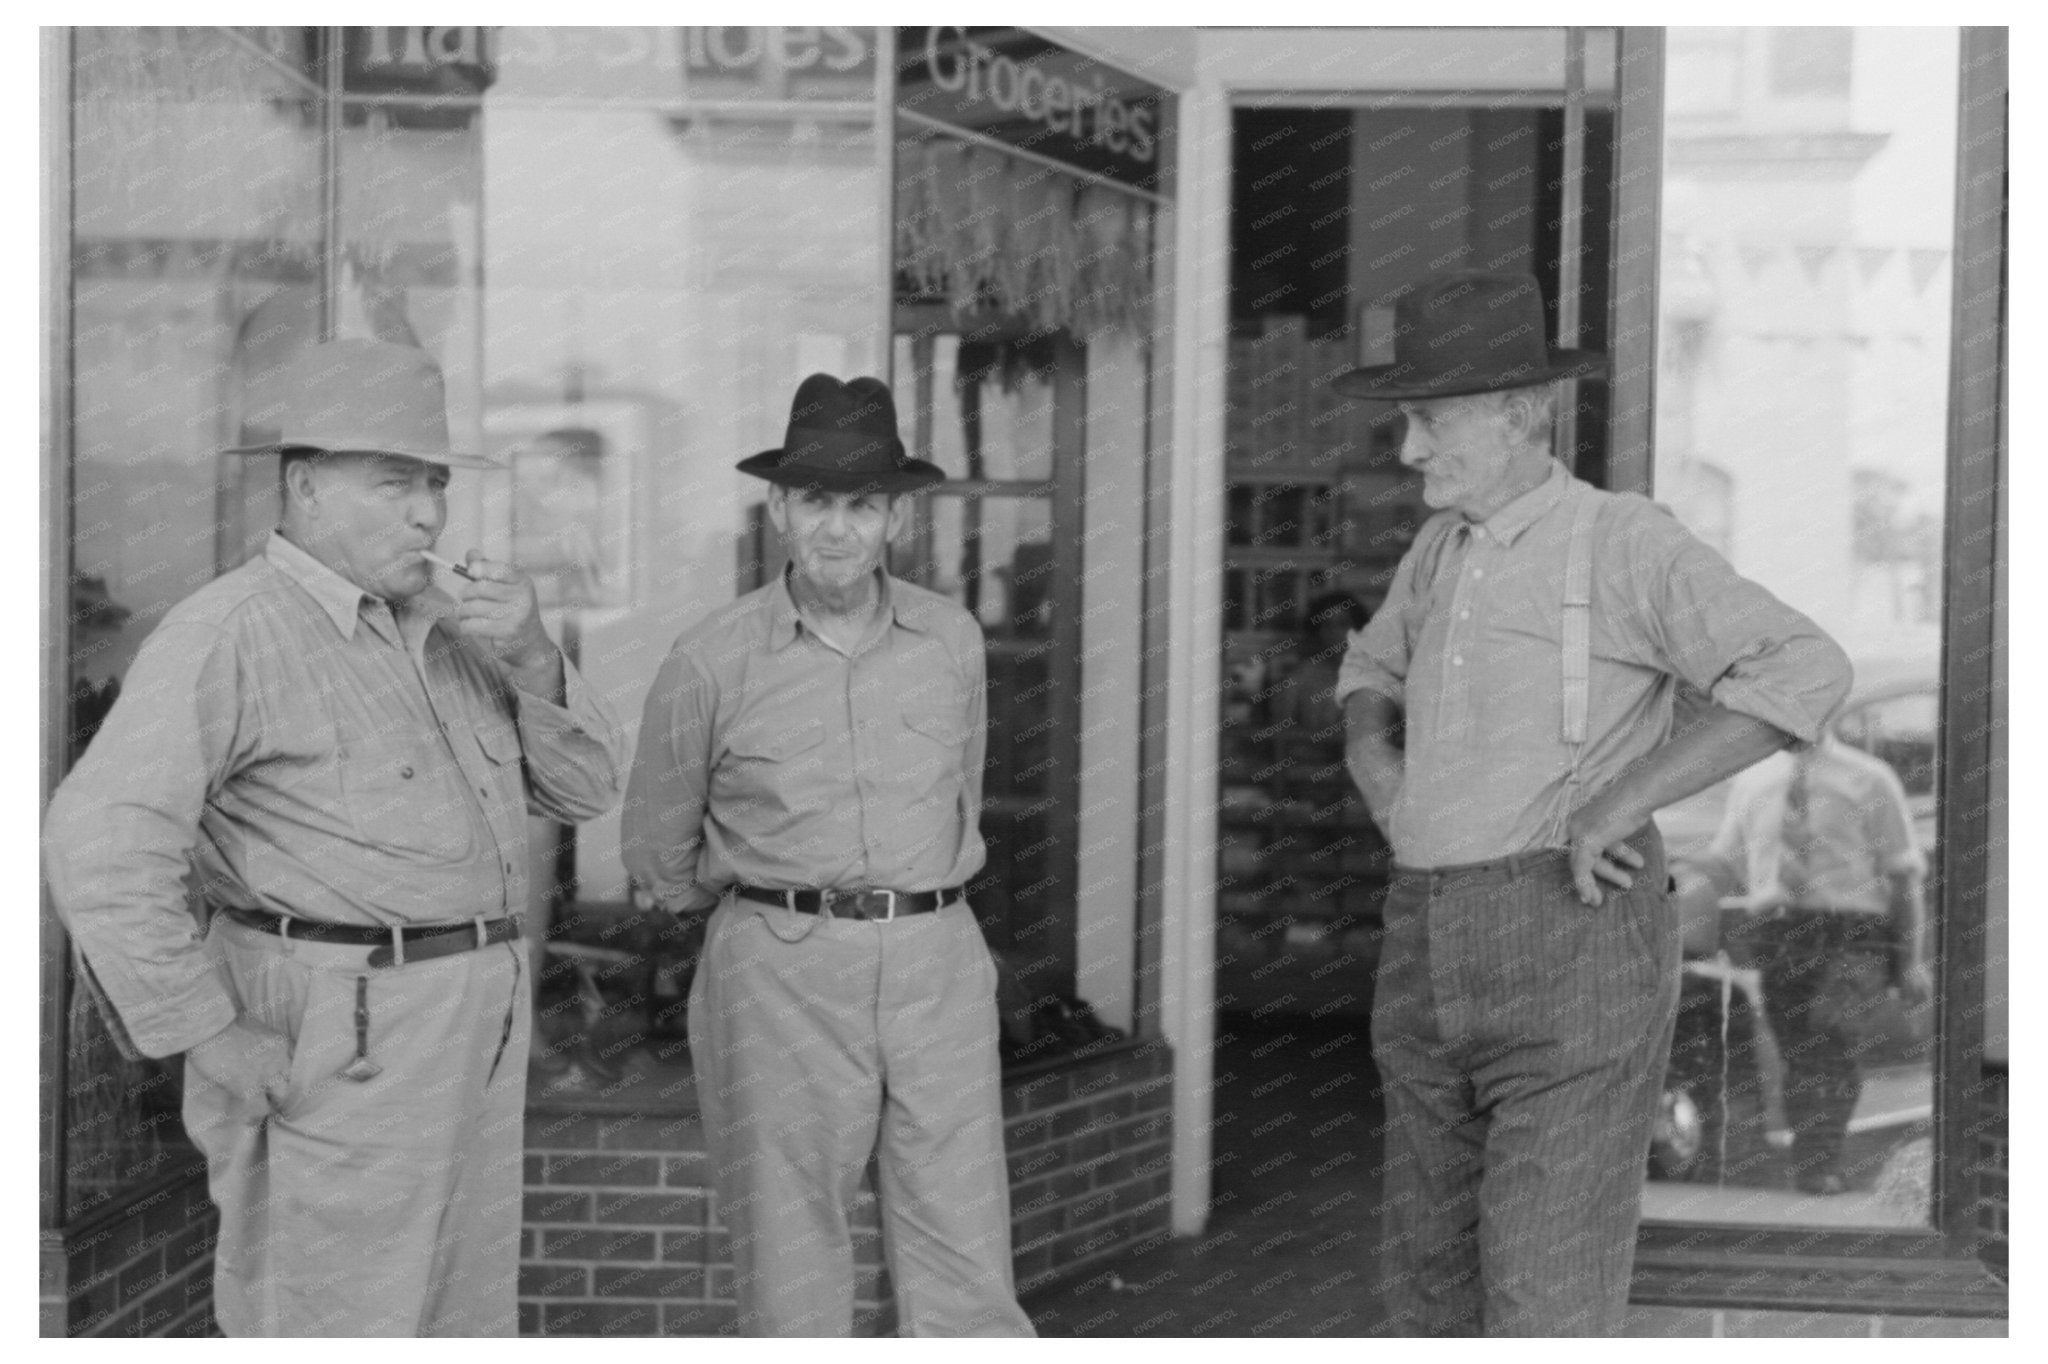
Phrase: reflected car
pixel 1893 713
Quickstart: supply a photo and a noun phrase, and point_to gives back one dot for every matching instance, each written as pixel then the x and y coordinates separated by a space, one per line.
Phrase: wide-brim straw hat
pixel 355 396
pixel 1468 331
pixel 842 437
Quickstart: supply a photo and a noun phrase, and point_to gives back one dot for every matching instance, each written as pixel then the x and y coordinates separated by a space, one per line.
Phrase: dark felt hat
pixel 842 438
pixel 1468 331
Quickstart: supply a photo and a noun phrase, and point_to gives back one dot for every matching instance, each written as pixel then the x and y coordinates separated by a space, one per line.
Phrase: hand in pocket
pixel 250 1063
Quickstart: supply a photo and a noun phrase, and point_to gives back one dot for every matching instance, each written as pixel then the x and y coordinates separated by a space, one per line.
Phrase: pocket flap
pixel 775 740
pixel 499 739
pixel 941 723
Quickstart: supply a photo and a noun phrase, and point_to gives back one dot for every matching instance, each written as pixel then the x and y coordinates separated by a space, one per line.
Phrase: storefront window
pixel 677 226
pixel 1802 429
pixel 624 247
pixel 1025 199
pixel 195 193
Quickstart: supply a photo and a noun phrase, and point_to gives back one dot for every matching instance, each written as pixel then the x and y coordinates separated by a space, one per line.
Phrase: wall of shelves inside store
pixel 1318 503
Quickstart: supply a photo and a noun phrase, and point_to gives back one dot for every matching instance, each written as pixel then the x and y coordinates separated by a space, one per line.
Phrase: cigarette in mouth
pixel 457 569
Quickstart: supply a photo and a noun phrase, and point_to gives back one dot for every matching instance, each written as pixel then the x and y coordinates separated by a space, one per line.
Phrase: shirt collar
pixel 1507 524
pixel 341 599
pixel 345 603
pixel 911 611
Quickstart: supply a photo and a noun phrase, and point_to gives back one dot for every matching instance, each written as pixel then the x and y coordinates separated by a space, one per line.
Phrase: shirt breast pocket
pixel 499 739
pixel 783 745
pixel 403 803
pixel 935 739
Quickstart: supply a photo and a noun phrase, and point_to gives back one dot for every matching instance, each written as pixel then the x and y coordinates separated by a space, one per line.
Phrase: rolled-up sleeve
pixel 662 829
pixel 574 752
pixel 119 832
pixel 1734 640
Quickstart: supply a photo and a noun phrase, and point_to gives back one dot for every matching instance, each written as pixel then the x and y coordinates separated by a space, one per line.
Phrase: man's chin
pixel 837 574
pixel 402 583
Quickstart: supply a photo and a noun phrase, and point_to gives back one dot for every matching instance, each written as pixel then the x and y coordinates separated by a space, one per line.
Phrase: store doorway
pixel 1335 212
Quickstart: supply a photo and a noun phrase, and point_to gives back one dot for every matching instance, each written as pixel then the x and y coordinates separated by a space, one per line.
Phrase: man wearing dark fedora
pixel 1529 649
pixel 810 767
pixel 344 758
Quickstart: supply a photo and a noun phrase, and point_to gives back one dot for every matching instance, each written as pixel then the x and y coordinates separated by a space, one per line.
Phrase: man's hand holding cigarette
pixel 499 609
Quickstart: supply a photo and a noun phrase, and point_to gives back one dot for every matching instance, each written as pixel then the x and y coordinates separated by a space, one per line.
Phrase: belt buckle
pixel 827 898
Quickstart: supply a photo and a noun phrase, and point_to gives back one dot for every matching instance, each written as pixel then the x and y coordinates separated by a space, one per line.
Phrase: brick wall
pixel 142 1270
pixel 1090 1148
pixel 1994 1168
pixel 622 1236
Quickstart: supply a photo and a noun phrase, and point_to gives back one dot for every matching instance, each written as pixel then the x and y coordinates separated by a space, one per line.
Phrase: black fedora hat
pixel 842 438
pixel 1468 331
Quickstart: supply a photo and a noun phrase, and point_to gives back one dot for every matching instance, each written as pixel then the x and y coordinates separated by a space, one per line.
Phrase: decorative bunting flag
pixel 1814 259
pixel 1923 263
pixel 1871 259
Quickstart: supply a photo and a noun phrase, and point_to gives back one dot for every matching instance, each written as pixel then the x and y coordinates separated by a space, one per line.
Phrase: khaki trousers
pixel 384 1207
pixel 818 1043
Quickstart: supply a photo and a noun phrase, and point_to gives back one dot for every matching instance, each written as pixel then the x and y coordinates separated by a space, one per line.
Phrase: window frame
pixel 1062 492
pixel 1933 1269
pixel 57 484
pixel 58 55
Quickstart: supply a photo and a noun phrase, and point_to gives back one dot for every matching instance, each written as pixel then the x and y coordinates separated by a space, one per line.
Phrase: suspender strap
pixel 1576 642
pixel 1575 647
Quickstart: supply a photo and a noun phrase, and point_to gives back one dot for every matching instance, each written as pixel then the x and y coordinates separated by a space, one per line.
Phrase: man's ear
pixel 1518 410
pixel 301 485
pixel 901 505
pixel 778 509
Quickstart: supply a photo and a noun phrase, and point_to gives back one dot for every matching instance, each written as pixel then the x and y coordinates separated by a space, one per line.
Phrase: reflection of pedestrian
pixel 348 759
pixel 1532 641
pixel 1824 844
pixel 810 766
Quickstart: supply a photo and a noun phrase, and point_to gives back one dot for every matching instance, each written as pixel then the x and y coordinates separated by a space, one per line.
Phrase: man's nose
pixel 429 510
pixel 1413 448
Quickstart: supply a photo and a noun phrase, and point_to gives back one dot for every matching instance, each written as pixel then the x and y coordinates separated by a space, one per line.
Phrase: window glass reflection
pixel 170 286
pixel 1801 431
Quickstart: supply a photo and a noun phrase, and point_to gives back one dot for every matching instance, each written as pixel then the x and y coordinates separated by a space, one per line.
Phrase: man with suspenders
pixel 1527 656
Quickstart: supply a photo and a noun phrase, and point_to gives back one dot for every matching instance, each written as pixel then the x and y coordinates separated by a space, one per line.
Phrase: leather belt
pixel 393 946
pixel 877 906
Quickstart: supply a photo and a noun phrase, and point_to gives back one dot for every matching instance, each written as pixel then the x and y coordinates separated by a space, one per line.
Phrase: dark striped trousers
pixel 1521 1038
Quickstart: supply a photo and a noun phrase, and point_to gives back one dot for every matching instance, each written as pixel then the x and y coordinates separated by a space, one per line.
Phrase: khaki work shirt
pixel 1473 657
pixel 769 758
pixel 313 754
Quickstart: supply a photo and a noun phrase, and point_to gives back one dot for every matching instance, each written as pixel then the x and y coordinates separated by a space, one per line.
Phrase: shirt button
pixel 405 772
pixel 1458 660
pixel 1478 572
pixel 1464 615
